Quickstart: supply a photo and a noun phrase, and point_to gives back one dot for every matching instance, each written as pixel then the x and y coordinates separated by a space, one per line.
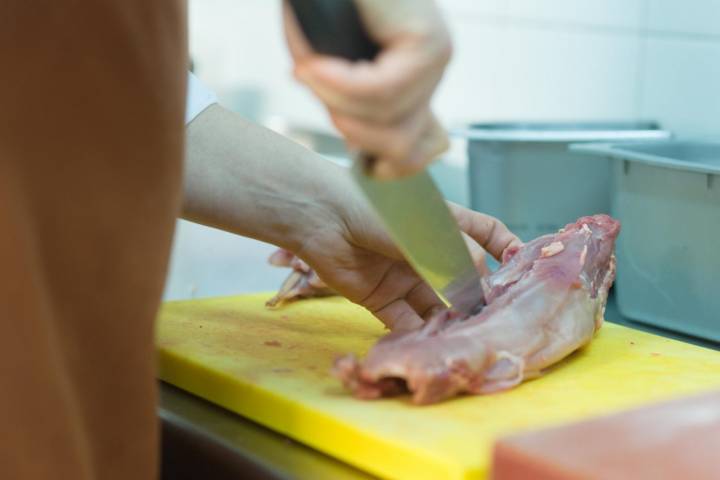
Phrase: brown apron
pixel 91 142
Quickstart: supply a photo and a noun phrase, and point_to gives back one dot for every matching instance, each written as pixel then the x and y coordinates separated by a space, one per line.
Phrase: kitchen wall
pixel 514 60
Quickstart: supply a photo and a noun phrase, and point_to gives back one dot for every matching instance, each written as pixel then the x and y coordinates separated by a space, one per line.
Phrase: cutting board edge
pixel 260 405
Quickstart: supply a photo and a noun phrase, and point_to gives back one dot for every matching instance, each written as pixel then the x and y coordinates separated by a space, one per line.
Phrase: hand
pixel 383 107
pixel 355 257
pixel 309 206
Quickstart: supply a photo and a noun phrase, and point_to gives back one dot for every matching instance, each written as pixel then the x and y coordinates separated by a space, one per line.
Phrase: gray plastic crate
pixel 524 174
pixel 667 196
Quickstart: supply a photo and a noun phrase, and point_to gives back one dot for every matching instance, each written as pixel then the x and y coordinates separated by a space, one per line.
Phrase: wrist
pixel 324 204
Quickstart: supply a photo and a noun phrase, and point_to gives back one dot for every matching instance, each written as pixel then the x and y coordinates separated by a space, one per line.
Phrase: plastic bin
pixel 524 174
pixel 667 196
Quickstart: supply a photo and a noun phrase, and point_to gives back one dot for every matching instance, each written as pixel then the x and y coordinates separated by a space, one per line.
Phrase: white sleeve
pixel 199 97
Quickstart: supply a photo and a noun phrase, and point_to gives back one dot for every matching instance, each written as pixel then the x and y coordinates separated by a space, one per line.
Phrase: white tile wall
pixel 469 90
pixel 681 85
pixel 546 74
pixel 502 69
pixel 684 16
pixel 505 73
pixel 680 65
pixel 514 60
pixel 484 7
pixel 606 13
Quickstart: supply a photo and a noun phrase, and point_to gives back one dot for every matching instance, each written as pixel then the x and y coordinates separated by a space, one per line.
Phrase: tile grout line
pixel 578 27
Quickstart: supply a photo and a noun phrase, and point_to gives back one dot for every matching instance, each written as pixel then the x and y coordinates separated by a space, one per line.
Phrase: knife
pixel 411 208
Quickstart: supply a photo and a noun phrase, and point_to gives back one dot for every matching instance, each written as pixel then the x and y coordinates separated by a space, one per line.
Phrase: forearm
pixel 246 179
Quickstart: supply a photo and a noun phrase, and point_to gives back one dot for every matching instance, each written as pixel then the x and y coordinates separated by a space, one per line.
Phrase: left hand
pixel 355 257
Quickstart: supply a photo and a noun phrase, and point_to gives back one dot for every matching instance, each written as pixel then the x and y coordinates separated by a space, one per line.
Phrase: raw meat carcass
pixel 302 282
pixel 544 302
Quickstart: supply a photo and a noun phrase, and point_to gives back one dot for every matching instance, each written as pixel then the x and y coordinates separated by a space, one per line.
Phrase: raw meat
pixel 544 302
pixel 302 282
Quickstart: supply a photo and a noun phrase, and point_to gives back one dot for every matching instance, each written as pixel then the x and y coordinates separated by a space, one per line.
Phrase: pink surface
pixel 672 440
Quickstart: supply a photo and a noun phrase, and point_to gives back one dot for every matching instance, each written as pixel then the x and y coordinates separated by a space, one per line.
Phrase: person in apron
pixel 92 102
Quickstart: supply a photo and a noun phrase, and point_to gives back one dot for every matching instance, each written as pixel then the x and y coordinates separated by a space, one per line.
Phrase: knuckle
pixel 400 147
pixel 382 92
pixel 369 91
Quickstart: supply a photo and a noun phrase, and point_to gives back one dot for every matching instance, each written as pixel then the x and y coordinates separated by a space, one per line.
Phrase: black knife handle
pixel 334 27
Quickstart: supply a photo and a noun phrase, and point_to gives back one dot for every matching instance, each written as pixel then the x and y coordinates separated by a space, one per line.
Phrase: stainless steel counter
pixel 201 440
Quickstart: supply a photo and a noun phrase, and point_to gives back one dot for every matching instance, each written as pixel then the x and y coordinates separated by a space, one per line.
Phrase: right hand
pixel 383 107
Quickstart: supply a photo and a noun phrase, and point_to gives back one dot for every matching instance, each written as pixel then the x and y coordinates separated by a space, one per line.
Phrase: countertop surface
pixel 200 438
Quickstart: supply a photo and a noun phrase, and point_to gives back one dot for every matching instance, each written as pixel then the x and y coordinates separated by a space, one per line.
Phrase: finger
pixel 299 264
pixel 385 105
pixel 398 315
pixel 314 280
pixel 489 232
pixel 478 255
pixel 423 299
pixel 395 142
pixel 399 149
pixel 391 73
pixel 433 141
pixel 281 258
pixel 396 282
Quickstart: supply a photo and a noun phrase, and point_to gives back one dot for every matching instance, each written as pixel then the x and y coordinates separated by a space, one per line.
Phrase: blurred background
pixel 514 60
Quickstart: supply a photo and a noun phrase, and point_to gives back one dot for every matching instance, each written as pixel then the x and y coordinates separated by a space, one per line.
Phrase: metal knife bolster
pixel 418 220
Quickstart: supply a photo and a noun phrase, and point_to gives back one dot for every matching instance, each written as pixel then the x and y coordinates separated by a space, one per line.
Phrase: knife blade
pixel 411 208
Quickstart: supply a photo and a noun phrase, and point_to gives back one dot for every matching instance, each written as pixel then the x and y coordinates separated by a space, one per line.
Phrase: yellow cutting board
pixel 273 366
